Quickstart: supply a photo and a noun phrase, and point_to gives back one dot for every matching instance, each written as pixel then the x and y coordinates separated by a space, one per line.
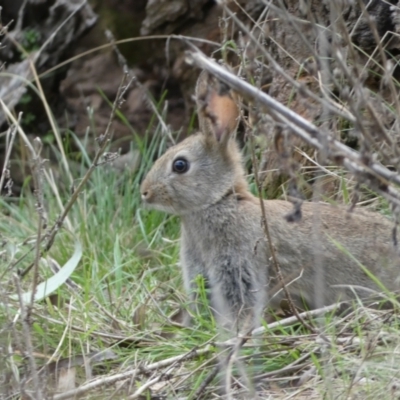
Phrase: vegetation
pixel 110 326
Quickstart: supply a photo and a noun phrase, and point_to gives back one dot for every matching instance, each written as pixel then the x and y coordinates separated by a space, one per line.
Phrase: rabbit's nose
pixel 146 194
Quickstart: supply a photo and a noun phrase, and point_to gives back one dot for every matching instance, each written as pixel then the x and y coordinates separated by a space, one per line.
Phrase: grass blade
pixel 49 286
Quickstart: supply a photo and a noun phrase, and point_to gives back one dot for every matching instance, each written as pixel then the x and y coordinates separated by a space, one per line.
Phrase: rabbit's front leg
pixel 238 295
pixel 192 265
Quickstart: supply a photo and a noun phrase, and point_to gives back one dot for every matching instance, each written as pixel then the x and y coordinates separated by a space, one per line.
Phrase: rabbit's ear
pixel 217 110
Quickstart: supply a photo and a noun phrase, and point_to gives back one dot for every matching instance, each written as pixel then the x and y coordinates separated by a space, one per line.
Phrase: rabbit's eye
pixel 180 165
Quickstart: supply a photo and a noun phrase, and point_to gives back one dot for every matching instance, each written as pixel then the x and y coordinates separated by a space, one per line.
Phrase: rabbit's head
pixel 202 169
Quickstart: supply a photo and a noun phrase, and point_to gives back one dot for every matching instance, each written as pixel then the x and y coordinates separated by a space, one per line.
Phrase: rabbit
pixel 202 180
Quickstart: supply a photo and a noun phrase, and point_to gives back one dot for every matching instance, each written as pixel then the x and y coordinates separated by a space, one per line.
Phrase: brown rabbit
pixel 202 180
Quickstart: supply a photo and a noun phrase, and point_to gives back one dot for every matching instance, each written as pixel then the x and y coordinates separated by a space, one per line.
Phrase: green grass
pixel 130 287
pixel 129 278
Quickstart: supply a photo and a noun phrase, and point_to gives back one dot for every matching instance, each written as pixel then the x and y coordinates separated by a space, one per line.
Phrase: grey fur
pixel 222 236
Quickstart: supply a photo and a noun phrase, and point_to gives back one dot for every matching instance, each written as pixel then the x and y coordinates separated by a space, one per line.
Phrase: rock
pixel 46 29
pixel 168 15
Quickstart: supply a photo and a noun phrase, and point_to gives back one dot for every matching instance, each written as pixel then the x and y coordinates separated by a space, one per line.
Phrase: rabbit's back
pixel 339 244
pixel 228 242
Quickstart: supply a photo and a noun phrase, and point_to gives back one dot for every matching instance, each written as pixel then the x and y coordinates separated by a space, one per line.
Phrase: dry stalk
pixel 103 141
pixel 340 33
pixel 128 374
pixel 32 59
pixel 146 386
pixel 124 41
pixel 194 371
pixel 5 173
pixel 123 63
pixel 294 366
pixel 370 348
pixel 26 333
pixel 333 107
pixel 326 101
pixel 13 264
pixel 37 174
pixel 291 320
pixel 383 57
pixel 267 234
pixel 232 357
pixel 209 378
pixel 234 345
pixel 379 177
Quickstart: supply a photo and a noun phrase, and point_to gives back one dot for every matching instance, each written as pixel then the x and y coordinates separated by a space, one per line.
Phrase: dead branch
pixel 378 176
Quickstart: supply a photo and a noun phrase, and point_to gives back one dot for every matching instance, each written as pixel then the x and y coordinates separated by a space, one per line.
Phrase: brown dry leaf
pixel 139 315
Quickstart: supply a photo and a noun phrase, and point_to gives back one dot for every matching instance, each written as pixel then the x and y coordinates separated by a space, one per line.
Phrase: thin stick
pixel 268 238
pixel 128 374
pixel 209 378
pixel 294 319
pixel 37 165
pixel 145 386
pixel 28 341
pixel 305 130
pixel 10 140
pixel 104 141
